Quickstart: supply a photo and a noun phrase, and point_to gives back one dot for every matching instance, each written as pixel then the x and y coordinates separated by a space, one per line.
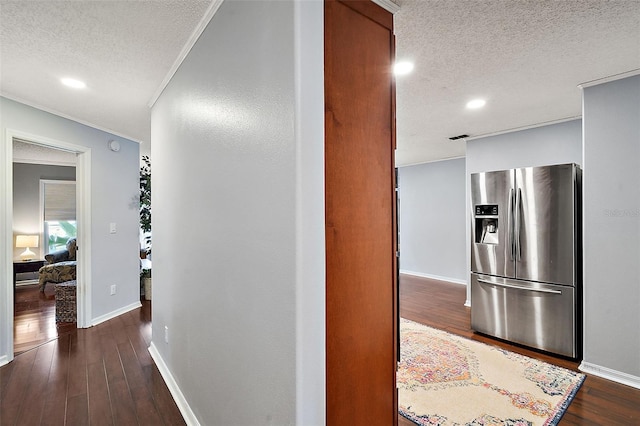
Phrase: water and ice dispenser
pixel 486 221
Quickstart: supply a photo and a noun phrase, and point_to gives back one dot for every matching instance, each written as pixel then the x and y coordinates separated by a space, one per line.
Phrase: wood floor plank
pixel 60 360
pixel 121 400
pixel 130 364
pixel 5 376
pixel 140 393
pixel 92 345
pixel 164 401
pixel 77 384
pixel 55 405
pixel 99 401
pixel 613 405
pixel 30 414
pixel 110 354
pixel 77 410
pixel 146 409
pixel 16 388
pixel 113 365
pixel 124 412
pixel 139 344
pixel 120 324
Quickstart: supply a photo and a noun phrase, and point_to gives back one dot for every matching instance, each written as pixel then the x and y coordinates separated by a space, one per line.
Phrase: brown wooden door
pixel 360 206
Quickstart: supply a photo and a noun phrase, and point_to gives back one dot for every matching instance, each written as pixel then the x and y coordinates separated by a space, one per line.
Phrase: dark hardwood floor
pixel 34 318
pixel 102 375
pixel 440 305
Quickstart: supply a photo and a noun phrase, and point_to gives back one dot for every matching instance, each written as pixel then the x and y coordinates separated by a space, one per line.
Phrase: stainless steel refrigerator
pixel 526 256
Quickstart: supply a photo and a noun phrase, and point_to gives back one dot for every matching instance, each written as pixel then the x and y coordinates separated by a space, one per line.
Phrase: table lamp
pixel 27 241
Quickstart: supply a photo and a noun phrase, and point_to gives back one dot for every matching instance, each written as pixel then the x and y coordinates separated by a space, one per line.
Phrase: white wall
pixel 433 220
pixel 539 146
pixel 310 219
pixel 114 184
pixel 611 180
pixel 237 222
pixel 26 198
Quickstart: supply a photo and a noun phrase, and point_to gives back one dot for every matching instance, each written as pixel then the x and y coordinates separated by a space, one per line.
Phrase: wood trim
pixel 388 5
pixel 370 10
pixel 395 230
pixel 361 293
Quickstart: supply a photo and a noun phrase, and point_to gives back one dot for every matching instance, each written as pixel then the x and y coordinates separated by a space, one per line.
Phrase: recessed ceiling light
pixel 72 82
pixel 402 68
pixel 476 103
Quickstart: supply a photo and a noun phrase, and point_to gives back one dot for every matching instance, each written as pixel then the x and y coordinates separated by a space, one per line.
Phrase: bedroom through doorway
pixel 44 212
pixel 37 166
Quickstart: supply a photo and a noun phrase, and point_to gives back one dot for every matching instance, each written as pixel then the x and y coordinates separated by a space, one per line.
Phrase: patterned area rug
pixel 446 379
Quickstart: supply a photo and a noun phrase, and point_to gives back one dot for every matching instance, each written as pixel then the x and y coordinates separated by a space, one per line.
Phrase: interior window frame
pixel 44 234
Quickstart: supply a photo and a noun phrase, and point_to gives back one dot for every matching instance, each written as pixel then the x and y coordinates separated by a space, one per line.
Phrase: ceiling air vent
pixel 455 138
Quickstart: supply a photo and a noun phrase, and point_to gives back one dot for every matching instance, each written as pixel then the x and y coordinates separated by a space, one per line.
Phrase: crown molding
pixel 517 129
pixel 609 78
pixel 68 117
pixel 195 35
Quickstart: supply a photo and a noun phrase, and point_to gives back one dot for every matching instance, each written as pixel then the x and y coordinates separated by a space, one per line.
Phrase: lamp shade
pixel 26 241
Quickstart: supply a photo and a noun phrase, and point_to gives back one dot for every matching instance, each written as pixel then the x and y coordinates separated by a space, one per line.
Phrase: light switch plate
pixel 112 228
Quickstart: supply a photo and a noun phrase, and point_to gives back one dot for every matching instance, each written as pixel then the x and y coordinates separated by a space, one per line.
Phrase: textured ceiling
pixel 121 49
pixel 526 57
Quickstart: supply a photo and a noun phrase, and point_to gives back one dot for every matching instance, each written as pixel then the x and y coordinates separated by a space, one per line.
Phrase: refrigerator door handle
pixel 517 223
pixel 510 225
pixel 540 290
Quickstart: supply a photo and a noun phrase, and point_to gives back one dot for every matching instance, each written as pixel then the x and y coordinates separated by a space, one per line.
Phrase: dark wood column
pixel 361 312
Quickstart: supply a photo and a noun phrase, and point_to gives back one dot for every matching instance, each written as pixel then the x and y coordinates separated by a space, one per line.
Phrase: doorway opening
pixel 21 146
pixel 44 211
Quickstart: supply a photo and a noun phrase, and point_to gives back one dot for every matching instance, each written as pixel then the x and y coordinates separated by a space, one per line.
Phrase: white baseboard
pixel 113 314
pixel 434 277
pixel 178 397
pixel 609 374
pixel 4 360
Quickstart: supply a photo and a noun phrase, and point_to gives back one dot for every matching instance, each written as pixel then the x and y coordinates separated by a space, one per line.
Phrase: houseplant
pixel 145 226
pixel 145 203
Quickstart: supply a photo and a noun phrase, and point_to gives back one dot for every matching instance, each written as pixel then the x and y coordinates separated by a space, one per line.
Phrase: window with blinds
pixel 58 199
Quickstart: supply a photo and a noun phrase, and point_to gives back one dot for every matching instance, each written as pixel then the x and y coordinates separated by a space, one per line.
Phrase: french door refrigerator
pixel 526 256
